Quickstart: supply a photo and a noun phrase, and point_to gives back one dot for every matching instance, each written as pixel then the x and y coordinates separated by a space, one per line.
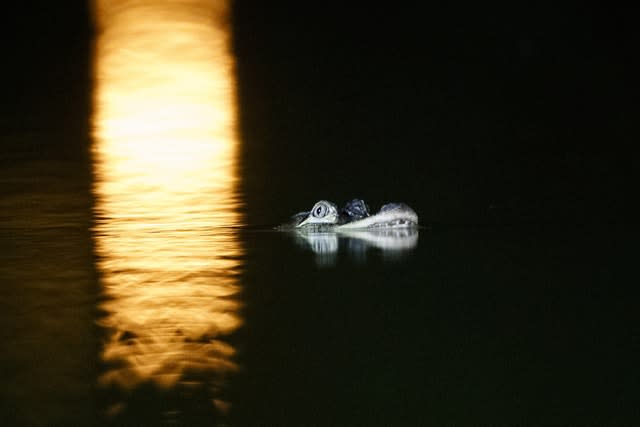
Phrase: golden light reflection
pixel 165 153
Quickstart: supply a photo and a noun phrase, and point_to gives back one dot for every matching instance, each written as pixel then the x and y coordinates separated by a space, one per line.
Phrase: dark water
pixel 475 325
pixel 514 304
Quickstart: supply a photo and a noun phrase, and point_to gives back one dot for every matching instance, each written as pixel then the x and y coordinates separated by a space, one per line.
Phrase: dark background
pixel 472 114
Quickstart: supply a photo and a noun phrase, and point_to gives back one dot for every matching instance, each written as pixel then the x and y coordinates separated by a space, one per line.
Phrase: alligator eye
pixel 320 211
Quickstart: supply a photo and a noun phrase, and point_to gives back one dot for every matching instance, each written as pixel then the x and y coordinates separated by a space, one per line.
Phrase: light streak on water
pixel 166 178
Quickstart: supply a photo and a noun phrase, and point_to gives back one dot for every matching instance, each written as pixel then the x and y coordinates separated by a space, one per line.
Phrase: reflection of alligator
pixel 324 216
pixel 394 242
pixel 385 239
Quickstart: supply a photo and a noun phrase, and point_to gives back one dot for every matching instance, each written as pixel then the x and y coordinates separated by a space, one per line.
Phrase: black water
pixel 516 306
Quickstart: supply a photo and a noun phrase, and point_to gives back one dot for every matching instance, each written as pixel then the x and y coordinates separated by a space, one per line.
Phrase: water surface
pixel 142 282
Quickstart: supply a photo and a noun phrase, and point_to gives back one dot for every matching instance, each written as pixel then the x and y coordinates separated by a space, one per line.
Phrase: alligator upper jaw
pixel 396 218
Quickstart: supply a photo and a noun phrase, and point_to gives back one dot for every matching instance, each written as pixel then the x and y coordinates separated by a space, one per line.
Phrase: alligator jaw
pixel 402 217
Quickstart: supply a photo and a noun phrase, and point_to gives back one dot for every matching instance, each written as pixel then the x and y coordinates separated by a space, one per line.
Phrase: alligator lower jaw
pixel 390 219
pixel 397 223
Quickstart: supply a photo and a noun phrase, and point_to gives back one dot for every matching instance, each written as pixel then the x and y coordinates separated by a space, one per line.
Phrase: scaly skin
pixel 324 217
